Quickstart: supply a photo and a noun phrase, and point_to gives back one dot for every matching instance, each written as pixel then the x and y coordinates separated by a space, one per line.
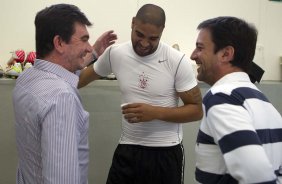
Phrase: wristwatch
pixel 94 58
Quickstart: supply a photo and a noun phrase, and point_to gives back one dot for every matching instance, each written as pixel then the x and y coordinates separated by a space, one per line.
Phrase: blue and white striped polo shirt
pixel 240 137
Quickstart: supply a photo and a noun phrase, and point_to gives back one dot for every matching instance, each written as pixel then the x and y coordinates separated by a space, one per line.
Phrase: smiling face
pixel 76 49
pixel 205 58
pixel 145 37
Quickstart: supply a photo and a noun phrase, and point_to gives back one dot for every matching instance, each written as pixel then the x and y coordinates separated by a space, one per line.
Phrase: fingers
pixel 109 32
pixel 112 42
pixel 133 119
pixel 131 115
pixel 112 36
pixel 132 112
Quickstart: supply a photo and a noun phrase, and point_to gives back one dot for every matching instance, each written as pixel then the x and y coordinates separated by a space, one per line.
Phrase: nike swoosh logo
pixel 160 61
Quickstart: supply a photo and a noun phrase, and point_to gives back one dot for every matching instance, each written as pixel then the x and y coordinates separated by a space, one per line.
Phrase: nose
pixel 89 48
pixel 144 43
pixel 193 55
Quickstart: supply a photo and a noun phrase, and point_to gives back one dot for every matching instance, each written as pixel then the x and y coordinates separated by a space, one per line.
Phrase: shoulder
pixel 173 55
pixel 120 47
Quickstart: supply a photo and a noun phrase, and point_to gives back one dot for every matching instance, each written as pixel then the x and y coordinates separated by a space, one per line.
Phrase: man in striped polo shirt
pixel 240 137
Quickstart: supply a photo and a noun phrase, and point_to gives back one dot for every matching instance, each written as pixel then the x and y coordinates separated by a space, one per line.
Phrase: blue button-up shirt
pixel 51 126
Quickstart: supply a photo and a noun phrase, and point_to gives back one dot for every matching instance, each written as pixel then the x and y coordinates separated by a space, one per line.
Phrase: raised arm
pixel 105 40
pixel 86 76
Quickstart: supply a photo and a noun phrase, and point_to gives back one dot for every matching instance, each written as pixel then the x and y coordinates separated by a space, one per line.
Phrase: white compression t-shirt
pixel 153 79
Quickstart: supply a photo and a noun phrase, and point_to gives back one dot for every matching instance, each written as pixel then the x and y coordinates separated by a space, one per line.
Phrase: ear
pixel 227 54
pixel 58 44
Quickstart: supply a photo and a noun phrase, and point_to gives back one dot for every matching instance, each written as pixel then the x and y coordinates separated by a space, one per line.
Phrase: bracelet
pixel 94 56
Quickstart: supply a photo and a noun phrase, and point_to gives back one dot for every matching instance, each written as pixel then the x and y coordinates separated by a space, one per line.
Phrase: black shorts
pixel 134 164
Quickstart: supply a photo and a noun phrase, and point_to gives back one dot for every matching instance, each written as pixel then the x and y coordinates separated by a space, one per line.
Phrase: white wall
pixel 183 16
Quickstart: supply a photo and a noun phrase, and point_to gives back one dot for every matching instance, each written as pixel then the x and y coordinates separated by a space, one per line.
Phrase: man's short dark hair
pixel 55 20
pixel 235 32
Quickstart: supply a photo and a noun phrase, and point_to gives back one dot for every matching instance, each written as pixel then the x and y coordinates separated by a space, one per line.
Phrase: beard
pixel 141 51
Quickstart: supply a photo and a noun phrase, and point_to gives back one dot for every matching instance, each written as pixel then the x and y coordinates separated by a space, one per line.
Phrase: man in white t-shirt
pixel 152 77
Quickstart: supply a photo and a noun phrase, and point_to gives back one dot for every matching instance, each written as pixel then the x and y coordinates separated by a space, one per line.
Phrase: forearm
pixel 182 114
pixel 232 127
pixel 191 110
pixel 141 112
pixel 86 76
pixel 250 164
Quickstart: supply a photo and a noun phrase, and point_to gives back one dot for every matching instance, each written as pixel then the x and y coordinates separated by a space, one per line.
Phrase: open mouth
pixel 143 52
pixel 198 66
pixel 144 49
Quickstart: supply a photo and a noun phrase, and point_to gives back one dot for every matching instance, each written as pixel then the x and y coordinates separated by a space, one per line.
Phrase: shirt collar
pixel 58 70
pixel 233 77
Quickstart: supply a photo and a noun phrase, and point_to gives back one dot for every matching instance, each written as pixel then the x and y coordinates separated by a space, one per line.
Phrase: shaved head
pixel 151 14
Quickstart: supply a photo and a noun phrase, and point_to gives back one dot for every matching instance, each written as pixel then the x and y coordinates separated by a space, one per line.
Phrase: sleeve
pixel 59 142
pixel 103 66
pixel 185 77
pixel 244 156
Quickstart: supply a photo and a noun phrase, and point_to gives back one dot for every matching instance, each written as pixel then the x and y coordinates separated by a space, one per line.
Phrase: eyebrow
pixel 84 37
pixel 199 44
pixel 154 37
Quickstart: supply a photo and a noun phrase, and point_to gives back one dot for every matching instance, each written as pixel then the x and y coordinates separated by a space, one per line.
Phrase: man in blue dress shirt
pixel 51 123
